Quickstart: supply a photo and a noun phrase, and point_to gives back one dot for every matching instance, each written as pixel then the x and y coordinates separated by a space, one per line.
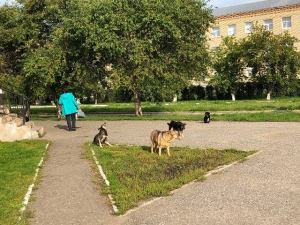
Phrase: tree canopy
pixel 228 65
pixel 153 48
pixel 272 58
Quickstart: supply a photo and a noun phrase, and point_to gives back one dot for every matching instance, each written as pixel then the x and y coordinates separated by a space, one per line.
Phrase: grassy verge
pixel 291 103
pixel 277 110
pixel 18 163
pixel 276 116
pixel 136 175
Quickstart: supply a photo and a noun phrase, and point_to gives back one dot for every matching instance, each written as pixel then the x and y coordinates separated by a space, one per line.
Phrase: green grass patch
pixel 276 110
pixel 18 163
pixel 136 175
pixel 291 103
pixel 276 116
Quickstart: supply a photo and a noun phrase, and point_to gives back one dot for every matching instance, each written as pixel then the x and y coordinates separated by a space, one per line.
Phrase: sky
pixel 223 3
pixel 4 1
pixel 214 3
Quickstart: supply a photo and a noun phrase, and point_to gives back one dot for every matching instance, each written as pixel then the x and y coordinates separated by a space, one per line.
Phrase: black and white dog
pixel 176 125
pixel 206 117
pixel 101 137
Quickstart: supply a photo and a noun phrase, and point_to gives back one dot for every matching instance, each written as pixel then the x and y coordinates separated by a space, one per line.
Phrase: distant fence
pixel 15 102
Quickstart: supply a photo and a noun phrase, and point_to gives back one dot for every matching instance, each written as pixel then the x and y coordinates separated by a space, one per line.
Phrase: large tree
pixel 228 65
pixel 65 56
pixel 153 48
pixel 24 28
pixel 273 58
pixel 11 40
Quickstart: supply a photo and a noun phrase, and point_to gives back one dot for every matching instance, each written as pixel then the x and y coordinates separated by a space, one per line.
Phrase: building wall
pixel 258 17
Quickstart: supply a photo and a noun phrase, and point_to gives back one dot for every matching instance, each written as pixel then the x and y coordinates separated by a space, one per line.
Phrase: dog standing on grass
pixel 101 137
pixel 162 139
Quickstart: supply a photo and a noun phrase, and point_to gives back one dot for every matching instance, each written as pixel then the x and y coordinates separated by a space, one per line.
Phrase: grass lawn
pixel 136 175
pixel 276 110
pixel 18 163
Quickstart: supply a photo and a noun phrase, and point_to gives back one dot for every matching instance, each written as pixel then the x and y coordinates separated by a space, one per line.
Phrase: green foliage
pixel 18 163
pixel 12 38
pixel 273 58
pixel 228 65
pixel 136 175
pixel 151 48
pixel 154 47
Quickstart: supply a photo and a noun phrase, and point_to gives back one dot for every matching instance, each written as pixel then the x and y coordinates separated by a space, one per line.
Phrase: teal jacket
pixel 68 103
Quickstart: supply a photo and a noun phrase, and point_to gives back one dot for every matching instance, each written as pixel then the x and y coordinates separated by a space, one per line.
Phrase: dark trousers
pixel 71 121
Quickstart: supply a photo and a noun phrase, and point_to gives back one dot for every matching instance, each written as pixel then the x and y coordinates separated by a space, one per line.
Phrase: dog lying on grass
pixel 163 139
pixel 101 137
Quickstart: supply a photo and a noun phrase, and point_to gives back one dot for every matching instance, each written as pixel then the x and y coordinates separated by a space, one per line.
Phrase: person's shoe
pixel 73 129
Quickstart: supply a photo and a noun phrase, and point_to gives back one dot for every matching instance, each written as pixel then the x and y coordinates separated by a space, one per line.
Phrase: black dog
pixel 207 117
pixel 177 125
pixel 101 137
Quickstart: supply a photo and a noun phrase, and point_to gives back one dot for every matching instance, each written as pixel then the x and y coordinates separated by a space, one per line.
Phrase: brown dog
pixel 162 139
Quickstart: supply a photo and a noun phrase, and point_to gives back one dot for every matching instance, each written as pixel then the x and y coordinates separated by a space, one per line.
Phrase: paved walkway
pixel 262 190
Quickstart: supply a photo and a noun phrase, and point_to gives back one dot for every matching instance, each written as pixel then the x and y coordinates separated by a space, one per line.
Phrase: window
pixel 286 22
pixel 231 29
pixel 268 24
pixel 248 27
pixel 216 32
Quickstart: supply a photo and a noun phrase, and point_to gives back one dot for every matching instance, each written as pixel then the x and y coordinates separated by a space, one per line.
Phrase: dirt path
pixel 262 190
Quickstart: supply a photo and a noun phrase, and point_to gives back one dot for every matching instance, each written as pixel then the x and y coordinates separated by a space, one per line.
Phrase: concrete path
pixel 262 190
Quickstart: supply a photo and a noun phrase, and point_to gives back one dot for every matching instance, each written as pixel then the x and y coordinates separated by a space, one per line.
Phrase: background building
pixel 276 15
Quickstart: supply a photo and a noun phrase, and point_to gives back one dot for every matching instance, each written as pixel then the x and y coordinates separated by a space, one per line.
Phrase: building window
pixel 268 24
pixel 286 22
pixel 216 32
pixel 231 29
pixel 248 27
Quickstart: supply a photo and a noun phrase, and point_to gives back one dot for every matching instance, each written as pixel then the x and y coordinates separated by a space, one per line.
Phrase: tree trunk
pixel 58 109
pixel 175 98
pixel 96 99
pixel 269 96
pixel 137 104
pixel 233 97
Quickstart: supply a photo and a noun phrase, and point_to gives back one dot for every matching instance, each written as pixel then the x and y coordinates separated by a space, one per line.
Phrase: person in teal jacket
pixel 69 108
